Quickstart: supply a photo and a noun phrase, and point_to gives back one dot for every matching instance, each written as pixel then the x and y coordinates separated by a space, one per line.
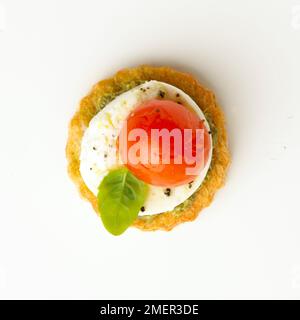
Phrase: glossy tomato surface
pixel 158 154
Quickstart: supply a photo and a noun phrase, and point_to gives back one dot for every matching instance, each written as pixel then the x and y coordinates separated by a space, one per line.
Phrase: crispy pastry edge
pixel 89 107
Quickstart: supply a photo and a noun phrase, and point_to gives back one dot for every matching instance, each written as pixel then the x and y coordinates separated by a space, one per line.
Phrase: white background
pixel 245 245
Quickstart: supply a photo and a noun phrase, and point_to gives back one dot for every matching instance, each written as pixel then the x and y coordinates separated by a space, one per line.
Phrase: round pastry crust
pixel 127 78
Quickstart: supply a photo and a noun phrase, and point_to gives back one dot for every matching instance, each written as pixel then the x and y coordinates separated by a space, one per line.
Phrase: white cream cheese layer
pixel 99 144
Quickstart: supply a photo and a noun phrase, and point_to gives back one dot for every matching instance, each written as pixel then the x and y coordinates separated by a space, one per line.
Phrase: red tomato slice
pixel 150 156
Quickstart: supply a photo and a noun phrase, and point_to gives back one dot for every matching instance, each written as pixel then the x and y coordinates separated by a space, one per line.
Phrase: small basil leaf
pixel 120 198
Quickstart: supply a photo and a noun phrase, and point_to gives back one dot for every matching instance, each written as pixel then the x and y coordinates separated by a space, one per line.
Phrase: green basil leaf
pixel 120 198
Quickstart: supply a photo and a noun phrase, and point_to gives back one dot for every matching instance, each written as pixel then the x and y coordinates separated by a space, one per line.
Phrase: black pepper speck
pixel 143 209
pixel 161 94
pixel 167 192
